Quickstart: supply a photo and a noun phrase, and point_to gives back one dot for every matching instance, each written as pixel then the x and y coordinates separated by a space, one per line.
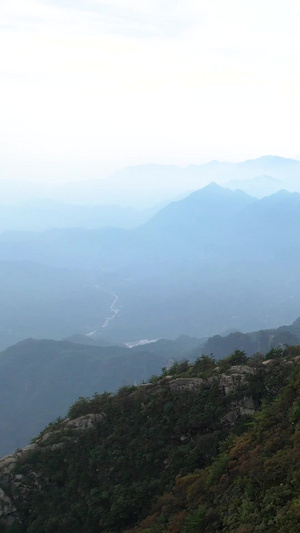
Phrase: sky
pixel 90 86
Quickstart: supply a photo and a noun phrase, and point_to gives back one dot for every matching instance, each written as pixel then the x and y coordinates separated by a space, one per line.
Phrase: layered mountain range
pixel 39 379
pixel 182 452
pixel 188 270
pixel 151 184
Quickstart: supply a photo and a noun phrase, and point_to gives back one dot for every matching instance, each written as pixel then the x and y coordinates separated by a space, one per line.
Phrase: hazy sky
pixel 96 85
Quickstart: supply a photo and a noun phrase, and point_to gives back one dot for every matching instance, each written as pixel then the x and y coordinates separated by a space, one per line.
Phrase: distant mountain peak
pixel 282 194
pixel 213 186
pixel 270 159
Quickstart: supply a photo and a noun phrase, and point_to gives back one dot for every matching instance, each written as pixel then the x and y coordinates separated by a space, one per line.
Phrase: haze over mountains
pixel 89 277
pixel 151 185
pixel 147 185
pixel 39 215
pixel 187 270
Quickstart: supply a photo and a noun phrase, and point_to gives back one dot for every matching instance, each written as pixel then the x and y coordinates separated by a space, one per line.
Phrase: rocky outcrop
pixel 8 511
pixel 12 485
pixel 230 383
pixel 175 384
pixel 187 383
pixel 237 375
pixel 243 407
pixel 81 423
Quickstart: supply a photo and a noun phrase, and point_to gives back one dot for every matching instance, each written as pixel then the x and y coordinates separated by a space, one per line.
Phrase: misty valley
pixel 188 269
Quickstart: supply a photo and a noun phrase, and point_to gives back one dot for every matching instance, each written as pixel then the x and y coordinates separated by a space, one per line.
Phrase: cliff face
pixel 116 453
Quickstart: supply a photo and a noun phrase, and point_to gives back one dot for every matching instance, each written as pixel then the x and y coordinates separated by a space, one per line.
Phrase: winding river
pixel 113 310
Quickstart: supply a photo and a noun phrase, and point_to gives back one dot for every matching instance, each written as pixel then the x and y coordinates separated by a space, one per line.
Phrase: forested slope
pixel 182 453
pixel 252 486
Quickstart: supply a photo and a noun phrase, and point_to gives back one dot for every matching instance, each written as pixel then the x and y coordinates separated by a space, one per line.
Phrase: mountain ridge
pixel 194 252
pixel 40 378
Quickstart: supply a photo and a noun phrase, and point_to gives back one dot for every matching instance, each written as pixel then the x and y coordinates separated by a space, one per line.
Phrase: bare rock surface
pixel 235 378
pixel 187 383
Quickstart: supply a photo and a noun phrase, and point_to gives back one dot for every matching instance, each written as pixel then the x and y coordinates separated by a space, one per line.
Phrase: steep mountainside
pixel 40 379
pixel 252 486
pixel 184 448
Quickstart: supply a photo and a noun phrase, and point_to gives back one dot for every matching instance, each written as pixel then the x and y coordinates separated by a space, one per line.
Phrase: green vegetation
pixel 253 485
pixel 169 456
pixel 40 379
